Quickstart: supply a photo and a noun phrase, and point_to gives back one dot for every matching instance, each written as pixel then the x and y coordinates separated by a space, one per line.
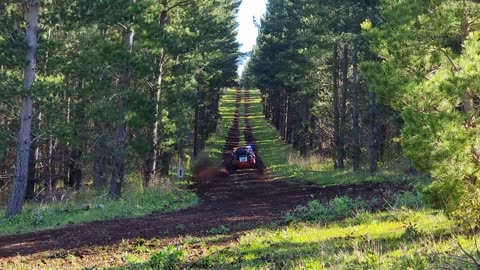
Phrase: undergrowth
pixel 338 208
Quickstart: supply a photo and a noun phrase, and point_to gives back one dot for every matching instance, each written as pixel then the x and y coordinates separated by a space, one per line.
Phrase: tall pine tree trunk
pixel 99 179
pixel 33 159
pixel 50 170
pixel 152 159
pixel 306 128
pixel 76 169
pixel 338 158
pixel 355 114
pixel 120 140
pixel 372 134
pixel 17 197
pixel 285 117
pixel 196 132
pixel 32 171
pixel 312 130
pixel 151 167
pixel 343 109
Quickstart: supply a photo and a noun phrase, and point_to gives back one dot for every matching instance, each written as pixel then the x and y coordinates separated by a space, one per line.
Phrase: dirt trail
pixel 245 200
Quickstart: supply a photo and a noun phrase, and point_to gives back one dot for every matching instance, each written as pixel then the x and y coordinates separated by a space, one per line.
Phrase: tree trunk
pixel 343 109
pixel 338 159
pixel 355 115
pixel 119 167
pixel 286 117
pixel 372 136
pixel 33 160
pixel 32 171
pixel 312 130
pixel 99 179
pixel 66 152
pixel 152 159
pixel 50 170
pixel 76 169
pixel 164 163
pixel 195 133
pixel 17 197
pixel 151 167
pixel 306 130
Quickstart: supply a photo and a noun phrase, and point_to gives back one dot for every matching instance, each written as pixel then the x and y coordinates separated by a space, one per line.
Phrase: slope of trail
pixel 245 200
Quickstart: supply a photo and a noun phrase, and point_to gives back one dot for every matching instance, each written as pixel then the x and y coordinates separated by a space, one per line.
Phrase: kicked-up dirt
pixel 244 200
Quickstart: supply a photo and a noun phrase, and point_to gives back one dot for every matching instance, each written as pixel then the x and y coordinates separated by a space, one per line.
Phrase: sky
pixel 247 32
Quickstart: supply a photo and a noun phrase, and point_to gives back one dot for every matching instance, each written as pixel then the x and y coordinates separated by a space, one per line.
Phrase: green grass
pixel 398 239
pixel 89 205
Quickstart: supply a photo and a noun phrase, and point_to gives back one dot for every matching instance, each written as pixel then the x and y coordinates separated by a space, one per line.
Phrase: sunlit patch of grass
pixel 90 205
pixel 396 239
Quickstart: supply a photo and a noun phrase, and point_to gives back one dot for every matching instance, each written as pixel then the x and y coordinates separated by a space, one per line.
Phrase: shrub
pixel 411 232
pixel 443 194
pixel 168 259
pixel 467 213
pixel 414 261
pixel 338 208
pixel 222 229
pixel 407 199
pixel 342 207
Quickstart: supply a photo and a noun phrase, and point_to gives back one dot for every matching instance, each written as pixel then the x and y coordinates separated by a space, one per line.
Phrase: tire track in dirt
pixel 245 200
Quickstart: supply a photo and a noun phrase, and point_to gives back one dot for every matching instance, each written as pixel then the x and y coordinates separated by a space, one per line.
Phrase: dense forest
pixel 96 90
pixel 359 121
pixel 371 82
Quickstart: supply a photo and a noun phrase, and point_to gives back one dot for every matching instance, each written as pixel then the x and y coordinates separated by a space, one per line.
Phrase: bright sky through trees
pixel 247 33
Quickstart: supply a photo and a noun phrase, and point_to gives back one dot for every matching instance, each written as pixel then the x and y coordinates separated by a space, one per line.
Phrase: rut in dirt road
pixel 245 200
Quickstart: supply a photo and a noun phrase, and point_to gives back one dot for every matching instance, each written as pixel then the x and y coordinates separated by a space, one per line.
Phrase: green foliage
pixel 430 73
pixel 185 52
pixel 408 199
pixel 168 259
pixel 411 232
pixel 415 261
pixel 337 208
pixel 222 229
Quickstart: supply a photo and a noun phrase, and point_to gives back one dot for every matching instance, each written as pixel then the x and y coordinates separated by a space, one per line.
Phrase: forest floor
pixel 230 205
